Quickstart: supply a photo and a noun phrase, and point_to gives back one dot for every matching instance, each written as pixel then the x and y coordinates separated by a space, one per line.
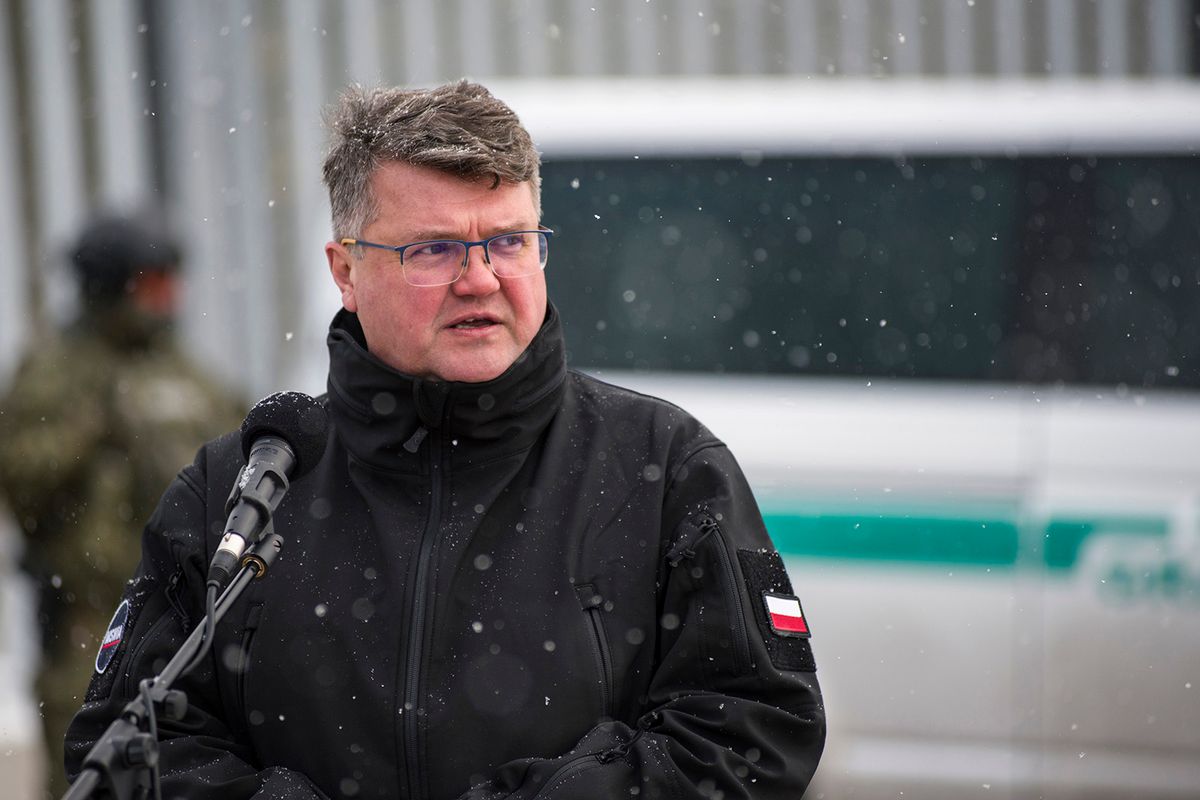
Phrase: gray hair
pixel 458 128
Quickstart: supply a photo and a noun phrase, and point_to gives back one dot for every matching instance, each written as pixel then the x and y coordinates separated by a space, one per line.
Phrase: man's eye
pixel 431 249
pixel 510 241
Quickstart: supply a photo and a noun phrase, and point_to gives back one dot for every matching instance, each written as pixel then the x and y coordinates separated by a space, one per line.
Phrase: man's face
pixel 471 330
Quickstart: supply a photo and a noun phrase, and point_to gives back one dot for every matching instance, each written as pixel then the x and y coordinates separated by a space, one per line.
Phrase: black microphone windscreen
pixel 296 418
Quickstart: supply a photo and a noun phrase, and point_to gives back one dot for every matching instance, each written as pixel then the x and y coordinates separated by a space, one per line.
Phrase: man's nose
pixel 478 277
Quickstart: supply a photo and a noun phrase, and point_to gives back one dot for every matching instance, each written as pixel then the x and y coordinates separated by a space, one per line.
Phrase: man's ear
pixel 342 267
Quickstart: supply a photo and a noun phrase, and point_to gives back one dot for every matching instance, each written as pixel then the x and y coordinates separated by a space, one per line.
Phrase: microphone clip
pixel 260 486
pixel 264 495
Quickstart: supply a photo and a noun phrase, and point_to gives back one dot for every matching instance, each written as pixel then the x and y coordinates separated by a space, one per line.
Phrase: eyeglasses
pixel 442 261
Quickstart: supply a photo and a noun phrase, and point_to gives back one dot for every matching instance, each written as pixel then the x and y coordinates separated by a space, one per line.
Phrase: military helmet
pixel 113 248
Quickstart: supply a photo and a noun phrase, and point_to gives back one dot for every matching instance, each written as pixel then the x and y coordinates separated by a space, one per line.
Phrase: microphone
pixel 283 436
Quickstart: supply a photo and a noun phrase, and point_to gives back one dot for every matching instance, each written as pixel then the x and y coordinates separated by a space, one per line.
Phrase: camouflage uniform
pixel 97 423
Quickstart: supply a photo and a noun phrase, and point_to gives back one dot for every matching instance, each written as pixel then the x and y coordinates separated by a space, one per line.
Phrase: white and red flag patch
pixel 785 614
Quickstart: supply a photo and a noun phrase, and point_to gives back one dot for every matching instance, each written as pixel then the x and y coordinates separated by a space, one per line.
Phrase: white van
pixel 952 333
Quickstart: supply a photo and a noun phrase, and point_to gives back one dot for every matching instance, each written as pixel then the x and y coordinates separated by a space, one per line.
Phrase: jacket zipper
pixel 417 628
pixel 591 602
pixel 253 616
pixel 172 594
pixel 567 770
pixel 729 586
pixel 585 761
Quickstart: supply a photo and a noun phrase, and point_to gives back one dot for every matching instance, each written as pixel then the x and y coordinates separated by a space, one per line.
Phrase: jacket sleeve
pixel 734 708
pixel 200 756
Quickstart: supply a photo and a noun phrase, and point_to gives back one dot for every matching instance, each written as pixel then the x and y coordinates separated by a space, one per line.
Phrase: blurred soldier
pixel 99 419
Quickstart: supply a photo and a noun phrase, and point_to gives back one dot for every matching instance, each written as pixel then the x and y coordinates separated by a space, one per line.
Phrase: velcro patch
pixel 781 621
pixel 112 637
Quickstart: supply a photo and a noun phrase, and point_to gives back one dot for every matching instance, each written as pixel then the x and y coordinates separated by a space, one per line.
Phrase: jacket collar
pixel 385 417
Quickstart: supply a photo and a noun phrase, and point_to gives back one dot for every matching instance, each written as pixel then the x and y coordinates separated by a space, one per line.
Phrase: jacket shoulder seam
pixel 189 480
pixel 690 453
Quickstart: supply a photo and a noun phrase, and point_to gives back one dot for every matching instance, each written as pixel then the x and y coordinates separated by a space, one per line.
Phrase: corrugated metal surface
pixel 213 109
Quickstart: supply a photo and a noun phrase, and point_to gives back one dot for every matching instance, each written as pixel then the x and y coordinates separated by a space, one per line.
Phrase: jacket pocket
pixel 702 549
pixel 592 604
pixel 164 618
pixel 128 686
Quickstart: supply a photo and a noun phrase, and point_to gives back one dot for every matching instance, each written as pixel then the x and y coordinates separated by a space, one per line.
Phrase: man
pixel 504 578
pixel 97 423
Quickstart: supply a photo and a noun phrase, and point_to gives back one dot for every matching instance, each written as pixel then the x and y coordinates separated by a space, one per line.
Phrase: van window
pixel 1030 269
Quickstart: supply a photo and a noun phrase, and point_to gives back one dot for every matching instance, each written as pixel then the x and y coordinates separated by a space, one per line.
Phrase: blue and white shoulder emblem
pixel 112 637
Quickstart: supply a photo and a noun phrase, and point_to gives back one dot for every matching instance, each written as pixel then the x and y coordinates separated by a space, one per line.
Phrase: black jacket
pixel 542 585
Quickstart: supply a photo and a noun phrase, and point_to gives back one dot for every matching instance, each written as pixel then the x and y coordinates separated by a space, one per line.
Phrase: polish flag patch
pixel 786 616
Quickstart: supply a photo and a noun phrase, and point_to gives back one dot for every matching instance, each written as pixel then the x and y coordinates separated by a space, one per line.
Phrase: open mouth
pixel 473 322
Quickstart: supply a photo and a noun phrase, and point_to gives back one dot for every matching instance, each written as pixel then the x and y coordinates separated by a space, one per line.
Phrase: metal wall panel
pixel 361 33
pixel 15 297
pixel 1112 35
pixel 120 103
pixel 1169 22
pixel 307 225
pixel 59 195
pixel 239 122
pixel 906 37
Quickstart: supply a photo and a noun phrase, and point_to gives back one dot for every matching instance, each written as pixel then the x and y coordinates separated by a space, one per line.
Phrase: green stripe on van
pixel 939 540
pixel 926 539
pixel 1065 537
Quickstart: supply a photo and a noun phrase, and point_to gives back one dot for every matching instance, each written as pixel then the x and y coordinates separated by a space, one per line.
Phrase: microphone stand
pixel 123 764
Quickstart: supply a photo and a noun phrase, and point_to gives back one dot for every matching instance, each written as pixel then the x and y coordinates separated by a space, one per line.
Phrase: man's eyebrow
pixel 422 236
pixel 513 226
